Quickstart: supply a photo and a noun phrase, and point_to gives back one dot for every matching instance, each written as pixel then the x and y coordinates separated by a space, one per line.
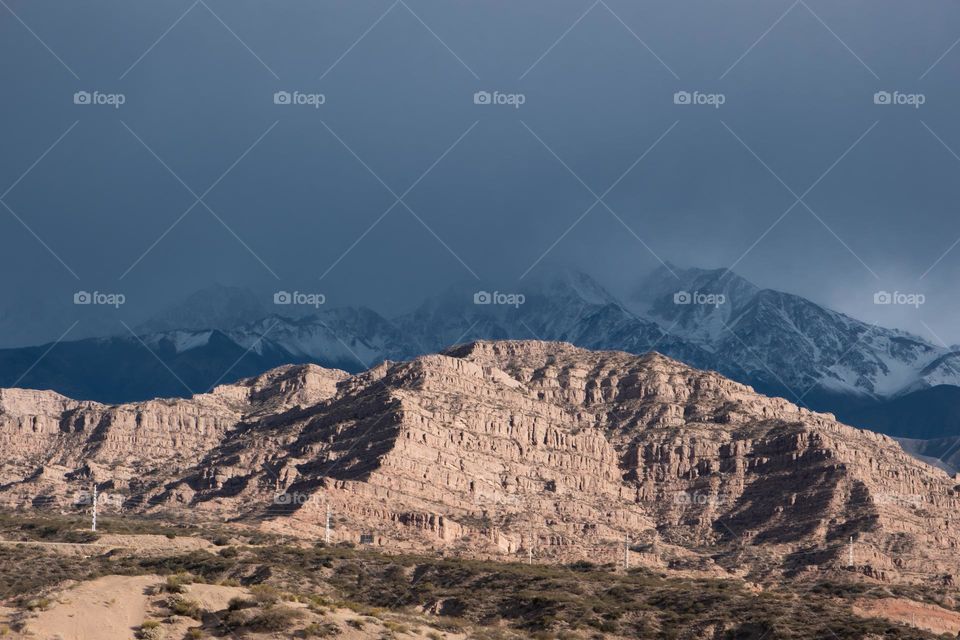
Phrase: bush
pixel 185 607
pixel 236 604
pixel 81 537
pixel 177 583
pixel 275 618
pixel 321 630
pixel 396 627
pixel 236 618
pixel 38 604
pixel 150 630
pixel 264 594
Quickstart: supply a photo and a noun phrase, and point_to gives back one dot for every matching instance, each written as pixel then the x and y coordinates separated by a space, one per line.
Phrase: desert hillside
pixel 532 451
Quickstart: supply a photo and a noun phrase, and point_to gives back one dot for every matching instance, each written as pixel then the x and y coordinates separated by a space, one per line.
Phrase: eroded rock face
pixel 497 449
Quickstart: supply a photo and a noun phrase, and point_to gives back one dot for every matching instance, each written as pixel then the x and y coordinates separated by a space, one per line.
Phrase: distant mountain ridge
pixel 790 344
pixel 779 343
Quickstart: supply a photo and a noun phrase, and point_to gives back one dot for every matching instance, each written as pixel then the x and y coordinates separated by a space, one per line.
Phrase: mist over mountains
pixel 781 344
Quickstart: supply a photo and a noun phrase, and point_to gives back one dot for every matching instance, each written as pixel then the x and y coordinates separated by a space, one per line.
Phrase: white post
pixel 626 551
pixel 530 547
pixel 93 526
pixel 326 533
pixel 851 551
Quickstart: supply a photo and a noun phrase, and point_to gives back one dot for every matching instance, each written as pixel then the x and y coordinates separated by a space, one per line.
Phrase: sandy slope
pixel 923 616
pixel 108 608
pixel 112 607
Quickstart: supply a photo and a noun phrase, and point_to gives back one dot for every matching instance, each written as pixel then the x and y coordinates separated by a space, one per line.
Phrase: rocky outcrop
pixel 499 449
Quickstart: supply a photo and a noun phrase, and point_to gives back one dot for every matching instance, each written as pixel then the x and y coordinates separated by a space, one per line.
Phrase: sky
pixel 389 174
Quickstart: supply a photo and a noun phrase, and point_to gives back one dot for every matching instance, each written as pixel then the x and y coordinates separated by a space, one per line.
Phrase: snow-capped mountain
pixel 345 338
pixel 568 306
pixel 215 307
pixel 784 343
pixel 779 343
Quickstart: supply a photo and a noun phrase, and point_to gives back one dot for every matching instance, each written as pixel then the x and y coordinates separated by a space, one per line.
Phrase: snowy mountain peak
pixel 215 307
pixel 664 283
pixel 571 284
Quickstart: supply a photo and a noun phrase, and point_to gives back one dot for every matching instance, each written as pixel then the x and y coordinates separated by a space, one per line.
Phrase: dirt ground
pixel 114 607
pixel 108 608
pixel 923 616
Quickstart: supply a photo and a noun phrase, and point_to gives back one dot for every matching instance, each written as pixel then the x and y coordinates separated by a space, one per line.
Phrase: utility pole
pixel 530 546
pixel 326 532
pixel 93 526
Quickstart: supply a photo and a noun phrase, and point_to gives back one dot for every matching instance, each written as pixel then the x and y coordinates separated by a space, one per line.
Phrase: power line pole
pixel 530 546
pixel 326 532
pixel 93 526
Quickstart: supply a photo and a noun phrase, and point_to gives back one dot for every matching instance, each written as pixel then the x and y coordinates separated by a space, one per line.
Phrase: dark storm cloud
pixel 285 191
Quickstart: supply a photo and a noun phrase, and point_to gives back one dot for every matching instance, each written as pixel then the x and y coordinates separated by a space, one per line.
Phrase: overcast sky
pixel 299 196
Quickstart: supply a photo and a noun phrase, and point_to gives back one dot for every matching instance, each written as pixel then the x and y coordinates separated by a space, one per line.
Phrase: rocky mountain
pixel 505 450
pixel 779 343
